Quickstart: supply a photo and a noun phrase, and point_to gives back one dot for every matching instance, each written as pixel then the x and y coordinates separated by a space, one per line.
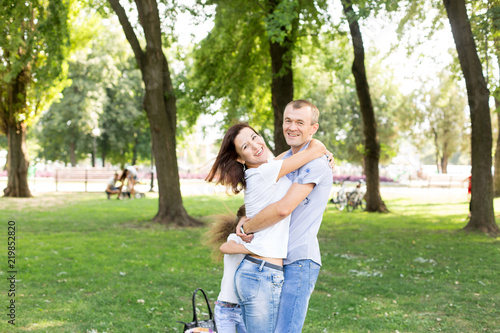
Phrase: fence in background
pixel 78 175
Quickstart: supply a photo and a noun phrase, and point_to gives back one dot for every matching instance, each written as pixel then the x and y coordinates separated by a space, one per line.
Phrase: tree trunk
pixel 72 155
pixel 483 216
pixel 371 156
pixel 134 149
pixel 17 184
pixel 436 144
pixel 17 159
pixel 444 162
pixel 281 86
pixel 496 179
pixel 160 106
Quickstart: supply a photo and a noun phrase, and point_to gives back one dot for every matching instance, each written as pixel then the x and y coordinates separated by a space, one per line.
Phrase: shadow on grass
pixel 89 263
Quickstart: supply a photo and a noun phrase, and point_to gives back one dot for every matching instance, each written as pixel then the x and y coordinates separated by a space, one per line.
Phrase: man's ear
pixel 314 128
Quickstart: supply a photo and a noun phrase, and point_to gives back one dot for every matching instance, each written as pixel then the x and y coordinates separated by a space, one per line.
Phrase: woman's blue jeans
pixel 228 320
pixel 258 286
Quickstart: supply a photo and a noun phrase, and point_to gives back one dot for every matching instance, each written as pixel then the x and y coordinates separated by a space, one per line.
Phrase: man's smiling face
pixel 297 127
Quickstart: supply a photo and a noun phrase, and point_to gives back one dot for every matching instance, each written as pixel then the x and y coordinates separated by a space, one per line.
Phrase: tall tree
pixel 255 80
pixel 333 91
pixel 485 23
pixel 65 129
pixel 483 217
pixel 34 40
pixel 439 115
pixel 160 106
pixel 282 23
pixel 124 124
pixel 374 202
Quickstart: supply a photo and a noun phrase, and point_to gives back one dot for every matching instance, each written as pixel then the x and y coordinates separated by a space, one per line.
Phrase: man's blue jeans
pixel 258 286
pixel 300 279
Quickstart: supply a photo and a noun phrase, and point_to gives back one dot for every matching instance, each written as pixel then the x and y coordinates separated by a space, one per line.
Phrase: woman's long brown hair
pixel 223 226
pixel 227 170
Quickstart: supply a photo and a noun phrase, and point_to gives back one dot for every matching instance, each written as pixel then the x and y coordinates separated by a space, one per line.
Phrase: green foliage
pixel 124 124
pixel 231 68
pixel 325 78
pixel 34 43
pixel 484 20
pixel 279 24
pixel 106 93
pixel 440 116
pixel 3 142
pixel 87 262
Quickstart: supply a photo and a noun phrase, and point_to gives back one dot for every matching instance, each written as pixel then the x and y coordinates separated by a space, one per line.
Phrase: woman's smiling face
pixel 251 148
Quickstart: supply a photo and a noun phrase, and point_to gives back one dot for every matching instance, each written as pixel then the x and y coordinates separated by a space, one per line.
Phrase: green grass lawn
pixel 86 264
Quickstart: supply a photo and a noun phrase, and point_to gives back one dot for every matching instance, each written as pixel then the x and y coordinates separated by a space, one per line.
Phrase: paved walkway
pixel 200 187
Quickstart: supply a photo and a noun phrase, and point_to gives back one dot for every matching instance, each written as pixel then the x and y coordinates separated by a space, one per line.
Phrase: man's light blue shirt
pixel 306 218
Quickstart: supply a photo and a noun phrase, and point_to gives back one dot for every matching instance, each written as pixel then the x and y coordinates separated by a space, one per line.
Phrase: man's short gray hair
pixel 301 103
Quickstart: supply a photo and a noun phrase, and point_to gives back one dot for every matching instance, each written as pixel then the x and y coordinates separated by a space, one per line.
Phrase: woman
pixel 242 163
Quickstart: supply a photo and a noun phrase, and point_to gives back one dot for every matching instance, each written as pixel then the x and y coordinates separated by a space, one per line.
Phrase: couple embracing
pixel 277 248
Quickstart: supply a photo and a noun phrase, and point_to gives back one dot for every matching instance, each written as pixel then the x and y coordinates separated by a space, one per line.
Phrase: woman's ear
pixel 240 160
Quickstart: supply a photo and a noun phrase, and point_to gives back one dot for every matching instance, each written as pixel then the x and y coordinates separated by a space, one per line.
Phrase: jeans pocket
pixel 313 275
pixel 247 286
pixel 278 280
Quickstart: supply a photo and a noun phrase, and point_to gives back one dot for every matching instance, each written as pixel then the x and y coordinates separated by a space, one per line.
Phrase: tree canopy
pixel 34 44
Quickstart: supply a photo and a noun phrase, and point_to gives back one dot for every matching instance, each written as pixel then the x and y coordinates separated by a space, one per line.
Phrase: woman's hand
pixel 331 160
pixel 247 238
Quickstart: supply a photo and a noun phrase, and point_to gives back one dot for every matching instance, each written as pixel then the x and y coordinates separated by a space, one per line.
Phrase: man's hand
pixel 246 238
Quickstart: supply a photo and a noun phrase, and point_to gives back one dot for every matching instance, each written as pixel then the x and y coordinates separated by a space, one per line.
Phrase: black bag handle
pixel 195 317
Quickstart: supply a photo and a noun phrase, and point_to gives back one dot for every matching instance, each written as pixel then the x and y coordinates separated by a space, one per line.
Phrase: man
pixel 112 188
pixel 306 200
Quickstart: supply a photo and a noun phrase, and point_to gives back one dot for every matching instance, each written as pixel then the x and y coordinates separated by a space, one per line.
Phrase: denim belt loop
pixel 262 265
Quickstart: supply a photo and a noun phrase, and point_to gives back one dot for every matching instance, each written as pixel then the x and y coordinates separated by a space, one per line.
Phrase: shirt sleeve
pixel 313 172
pixel 235 238
pixel 270 171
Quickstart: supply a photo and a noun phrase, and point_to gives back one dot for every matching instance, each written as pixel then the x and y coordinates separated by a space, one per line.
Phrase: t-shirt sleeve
pixel 270 171
pixel 313 172
pixel 235 238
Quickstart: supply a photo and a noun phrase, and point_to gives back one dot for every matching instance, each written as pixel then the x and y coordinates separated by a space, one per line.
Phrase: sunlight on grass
pixel 86 262
pixel 45 324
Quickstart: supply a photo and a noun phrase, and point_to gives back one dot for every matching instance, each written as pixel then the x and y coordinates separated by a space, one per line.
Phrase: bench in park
pixel 80 174
pixel 446 180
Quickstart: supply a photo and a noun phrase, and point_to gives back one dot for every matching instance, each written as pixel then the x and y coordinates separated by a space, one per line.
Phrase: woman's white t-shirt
pixel 231 263
pixel 262 189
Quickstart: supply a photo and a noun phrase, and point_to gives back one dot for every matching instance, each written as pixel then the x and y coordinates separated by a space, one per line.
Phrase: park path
pixel 190 187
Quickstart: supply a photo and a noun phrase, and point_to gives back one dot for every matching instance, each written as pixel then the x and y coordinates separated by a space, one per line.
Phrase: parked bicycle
pixel 341 200
pixel 356 199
